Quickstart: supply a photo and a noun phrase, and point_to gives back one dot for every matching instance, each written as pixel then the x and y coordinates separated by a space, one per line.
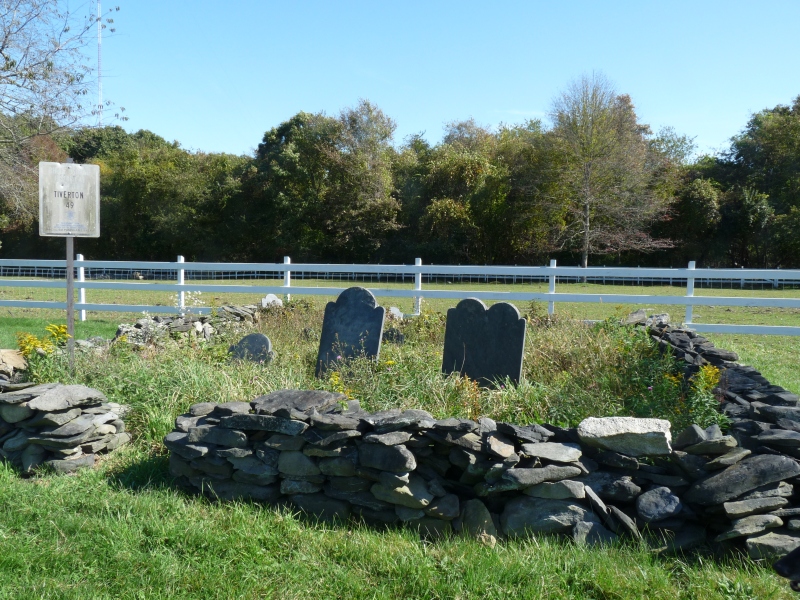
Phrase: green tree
pixel 607 171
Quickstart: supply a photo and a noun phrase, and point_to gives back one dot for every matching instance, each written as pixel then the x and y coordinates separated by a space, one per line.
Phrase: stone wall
pixel 607 478
pixel 58 426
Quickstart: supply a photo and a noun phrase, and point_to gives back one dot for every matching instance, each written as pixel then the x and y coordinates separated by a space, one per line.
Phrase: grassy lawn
pixel 122 530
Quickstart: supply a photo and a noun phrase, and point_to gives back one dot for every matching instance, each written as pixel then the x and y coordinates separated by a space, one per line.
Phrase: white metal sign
pixel 69 200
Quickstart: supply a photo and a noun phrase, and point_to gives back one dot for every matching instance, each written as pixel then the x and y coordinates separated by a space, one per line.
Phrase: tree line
pixel 591 185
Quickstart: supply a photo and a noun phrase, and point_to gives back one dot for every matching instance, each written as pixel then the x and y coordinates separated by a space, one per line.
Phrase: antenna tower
pixel 99 65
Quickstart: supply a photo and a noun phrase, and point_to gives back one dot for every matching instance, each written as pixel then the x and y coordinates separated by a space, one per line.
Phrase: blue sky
pixel 216 75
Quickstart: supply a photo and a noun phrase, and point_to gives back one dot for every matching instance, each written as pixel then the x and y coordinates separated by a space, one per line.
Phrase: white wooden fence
pixel 549 273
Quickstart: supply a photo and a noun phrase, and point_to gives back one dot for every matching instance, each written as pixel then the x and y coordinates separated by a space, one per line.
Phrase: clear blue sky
pixel 216 75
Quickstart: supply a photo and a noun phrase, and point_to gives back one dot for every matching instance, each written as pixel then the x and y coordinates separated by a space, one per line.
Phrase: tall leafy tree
pixel 606 173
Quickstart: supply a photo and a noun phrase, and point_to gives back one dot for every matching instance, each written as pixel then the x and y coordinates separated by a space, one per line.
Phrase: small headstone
pixel 271 301
pixel 393 336
pixel 353 326
pixel 254 347
pixel 395 313
pixel 484 344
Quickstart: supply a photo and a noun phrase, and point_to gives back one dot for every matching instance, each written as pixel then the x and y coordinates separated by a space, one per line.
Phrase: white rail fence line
pixel 544 273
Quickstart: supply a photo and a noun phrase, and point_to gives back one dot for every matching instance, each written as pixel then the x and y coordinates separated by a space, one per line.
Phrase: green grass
pixel 123 531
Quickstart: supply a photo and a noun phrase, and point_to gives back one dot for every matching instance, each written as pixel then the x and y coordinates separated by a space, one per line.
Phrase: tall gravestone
pixel 353 326
pixel 484 344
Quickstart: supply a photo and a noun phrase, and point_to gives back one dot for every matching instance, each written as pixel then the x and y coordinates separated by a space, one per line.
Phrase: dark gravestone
pixel 255 347
pixel 352 326
pixel 485 345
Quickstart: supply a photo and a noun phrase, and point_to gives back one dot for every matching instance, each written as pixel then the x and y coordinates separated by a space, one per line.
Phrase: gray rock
pixel 352 326
pixel 744 476
pixel 772 545
pixel 624 525
pixel 727 459
pixel 690 436
pixel 476 520
pixel 179 467
pixel 348 484
pixel 694 466
pixel 483 344
pixel 453 424
pixel 215 466
pixel 332 422
pixel 183 423
pixel 408 514
pixel 74 427
pixel 393 438
pixel 749 526
pixel 447 507
pixel 254 478
pixel 211 434
pixel 413 495
pixel 28 393
pixel 612 486
pixel 252 466
pixel 32 456
pixel 281 441
pixel 16 442
pixel 564 453
pixel 338 467
pixel 745 508
pixel 771 490
pixel 202 409
pixel 231 408
pixel 70 465
pixel 498 445
pixel 263 423
pixel 361 498
pixel 617 460
pixel 178 442
pixel 528 477
pixel 14 413
pixel 297 463
pixel 557 490
pixel 772 414
pixel 657 504
pixel 468 440
pixel 66 396
pixel 776 437
pixel 627 435
pixel 525 515
pixel 392 480
pixel 529 433
pixel 396 459
pixel 296 486
pixel 721 445
pixel 591 533
pixel 233 452
pixel 303 401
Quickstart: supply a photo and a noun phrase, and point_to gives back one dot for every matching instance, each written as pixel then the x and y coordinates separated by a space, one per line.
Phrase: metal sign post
pixel 69 207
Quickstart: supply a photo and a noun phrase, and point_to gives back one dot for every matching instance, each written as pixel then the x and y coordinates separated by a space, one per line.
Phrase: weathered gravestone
pixel 484 344
pixel 352 326
pixel 255 347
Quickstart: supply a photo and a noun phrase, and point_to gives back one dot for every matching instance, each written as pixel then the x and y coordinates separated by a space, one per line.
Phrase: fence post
pixel 287 277
pixel 689 293
pixel 181 293
pixel 551 306
pixel 418 287
pixel 81 290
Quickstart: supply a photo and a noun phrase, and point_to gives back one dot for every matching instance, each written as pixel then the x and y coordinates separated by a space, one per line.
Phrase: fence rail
pixel 186 276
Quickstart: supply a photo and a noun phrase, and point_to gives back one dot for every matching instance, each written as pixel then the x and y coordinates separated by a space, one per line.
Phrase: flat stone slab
pixel 395 459
pixel 720 445
pixel 66 396
pixel 557 490
pixel 303 401
pixel 263 423
pixel 484 344
pixel 352 326
pixel 565 453
pixel 780 437
pixel 529 477
pixel 749 526
pixel 745 508
pixel 744 476
pixel 255 347
pixel 415 494
pixel 627 435
pixel 612 486
pixel 772 545
pixel 28 393
pixel 525 515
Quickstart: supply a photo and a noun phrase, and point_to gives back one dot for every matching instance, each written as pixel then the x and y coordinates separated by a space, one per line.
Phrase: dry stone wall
pixel 58 426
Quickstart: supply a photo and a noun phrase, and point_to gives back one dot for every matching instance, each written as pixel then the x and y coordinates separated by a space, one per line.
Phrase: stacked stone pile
pixel 155 330
pixel 59 426
pixel 609 477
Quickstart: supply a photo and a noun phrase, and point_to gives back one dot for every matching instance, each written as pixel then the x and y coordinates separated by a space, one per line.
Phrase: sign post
pixel 69 207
